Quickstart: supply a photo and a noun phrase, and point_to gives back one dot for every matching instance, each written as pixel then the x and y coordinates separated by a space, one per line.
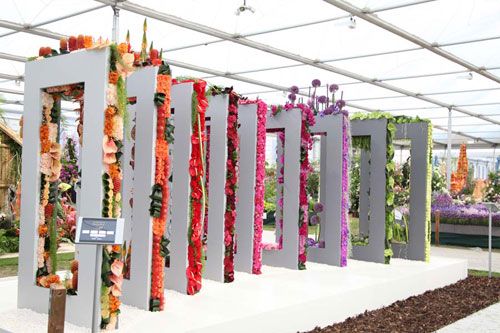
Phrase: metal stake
pixel 489 243
pixel 96 315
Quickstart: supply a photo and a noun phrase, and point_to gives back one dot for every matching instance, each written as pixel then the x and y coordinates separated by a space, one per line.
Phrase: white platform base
pixel 282 300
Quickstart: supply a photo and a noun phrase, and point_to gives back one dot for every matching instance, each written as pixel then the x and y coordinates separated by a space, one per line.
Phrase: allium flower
pixel 322 99
pixel 292 97
pixel 318 207
pixel 314 219
pixel 333 88
pixel 329 110
pixel 316 83
pixel 340 103
pixel 294 89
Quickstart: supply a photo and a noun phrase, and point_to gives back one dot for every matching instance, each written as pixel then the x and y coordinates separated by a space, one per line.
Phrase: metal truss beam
pixel 300 25
pixel 369 17
pixel 60 18
pixel 129 6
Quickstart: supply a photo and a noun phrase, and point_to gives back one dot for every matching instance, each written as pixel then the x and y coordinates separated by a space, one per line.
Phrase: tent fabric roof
pixel 415 57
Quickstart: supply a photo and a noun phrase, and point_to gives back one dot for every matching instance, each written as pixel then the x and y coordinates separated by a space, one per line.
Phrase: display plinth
pixel 282 300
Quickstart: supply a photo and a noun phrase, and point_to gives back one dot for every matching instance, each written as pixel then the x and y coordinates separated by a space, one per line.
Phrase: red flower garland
pixel 231 186
pixel 197 201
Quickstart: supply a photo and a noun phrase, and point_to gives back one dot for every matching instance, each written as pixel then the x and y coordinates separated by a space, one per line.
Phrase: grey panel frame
pixel 419 151
pixel 181 102
pixel 79 308
pixel 245 207
pixel 330 190
pixel 218 112
pixel 141 84
pixel 288 255
pixel 376 183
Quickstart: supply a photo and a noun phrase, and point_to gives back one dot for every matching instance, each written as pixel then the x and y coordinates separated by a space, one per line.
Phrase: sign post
pixel 493 207
pixel 98 231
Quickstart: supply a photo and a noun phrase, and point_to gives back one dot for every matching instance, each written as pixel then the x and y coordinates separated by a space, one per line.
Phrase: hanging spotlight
pixel 243 8
pixel 465 76
pixel 352 22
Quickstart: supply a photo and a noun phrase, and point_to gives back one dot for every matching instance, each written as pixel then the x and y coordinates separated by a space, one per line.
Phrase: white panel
pixel 245 207
pixel 217 111
pixel 48 73
pixel 137 290
pixel 288 256
pixel 175 275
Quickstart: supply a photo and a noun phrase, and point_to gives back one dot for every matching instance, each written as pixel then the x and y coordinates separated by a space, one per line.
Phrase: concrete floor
pixel 484 321
pixel 476 257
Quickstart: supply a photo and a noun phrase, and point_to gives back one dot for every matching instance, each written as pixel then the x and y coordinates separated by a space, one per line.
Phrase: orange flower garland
pixel 160 196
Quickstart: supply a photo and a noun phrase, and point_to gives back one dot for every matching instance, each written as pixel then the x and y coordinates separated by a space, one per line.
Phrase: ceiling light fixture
pixel 465 76
pixel 243 8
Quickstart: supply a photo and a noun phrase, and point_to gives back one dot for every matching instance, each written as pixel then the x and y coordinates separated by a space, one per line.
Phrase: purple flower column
pixel 345 191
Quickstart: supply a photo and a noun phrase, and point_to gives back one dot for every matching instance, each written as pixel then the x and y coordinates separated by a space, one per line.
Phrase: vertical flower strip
pixel 50 169
pixel 199 104
pixel 260 174
pixel 231 186
pixel 428 195
pixel 305 168
pixel 112 266
pixel 160 193
pixel 344 218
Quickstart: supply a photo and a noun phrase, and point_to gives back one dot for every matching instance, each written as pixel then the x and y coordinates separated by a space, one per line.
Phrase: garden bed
pixel 427 312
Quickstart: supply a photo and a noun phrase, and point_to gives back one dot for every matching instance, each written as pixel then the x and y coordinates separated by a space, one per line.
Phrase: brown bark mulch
pixel 427 312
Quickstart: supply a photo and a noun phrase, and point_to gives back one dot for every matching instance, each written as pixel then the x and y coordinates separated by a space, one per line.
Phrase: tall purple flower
pixel 333 88
pixel 322 99
pixel 340 104
pixel 292 97
pixel 316 83
pixel 294 89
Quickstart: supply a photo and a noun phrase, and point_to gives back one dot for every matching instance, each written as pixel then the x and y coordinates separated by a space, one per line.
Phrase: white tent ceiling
pixel 404 57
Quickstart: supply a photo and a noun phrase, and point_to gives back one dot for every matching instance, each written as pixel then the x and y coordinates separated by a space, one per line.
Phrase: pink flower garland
pixel 260 173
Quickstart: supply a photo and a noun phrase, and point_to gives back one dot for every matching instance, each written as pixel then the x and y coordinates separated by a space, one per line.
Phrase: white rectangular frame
pixel 181 103
pixel 91 68
pixel 245 207
pixel 330 190
pixel 288 255
pixel 217 111
pixel 141 84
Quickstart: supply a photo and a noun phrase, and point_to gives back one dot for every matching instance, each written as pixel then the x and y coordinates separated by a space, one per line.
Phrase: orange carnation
pixel 163 84
pixel 114 303
pixel 43 230
pixel 110 110
pixel 108 125
pixel 113 77
pixel 123 48
pixel 88 42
